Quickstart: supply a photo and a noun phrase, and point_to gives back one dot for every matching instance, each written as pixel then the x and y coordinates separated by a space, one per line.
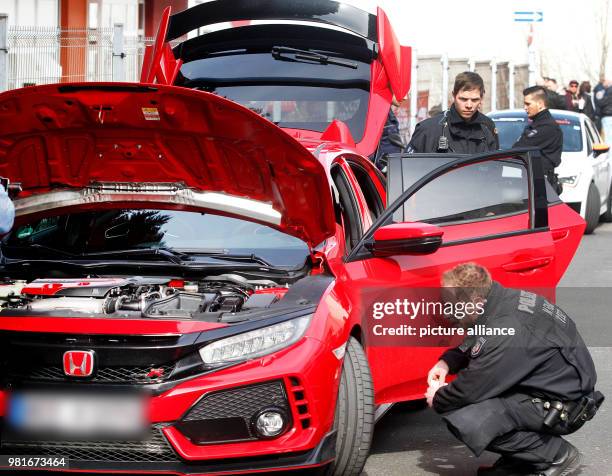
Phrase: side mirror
pixel 599 149
pixel 405 239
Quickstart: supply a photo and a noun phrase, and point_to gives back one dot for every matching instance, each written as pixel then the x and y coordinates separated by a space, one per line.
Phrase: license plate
pixel 70 416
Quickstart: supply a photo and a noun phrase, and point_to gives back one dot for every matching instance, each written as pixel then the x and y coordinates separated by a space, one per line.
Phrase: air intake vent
pixel 299 401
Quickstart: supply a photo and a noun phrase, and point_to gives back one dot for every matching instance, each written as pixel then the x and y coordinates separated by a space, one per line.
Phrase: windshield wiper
pixel 166 253
pixel 294 54
pixel 224 255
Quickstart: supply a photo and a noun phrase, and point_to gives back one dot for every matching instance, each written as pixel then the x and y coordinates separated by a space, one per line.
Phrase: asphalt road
pixel 412 440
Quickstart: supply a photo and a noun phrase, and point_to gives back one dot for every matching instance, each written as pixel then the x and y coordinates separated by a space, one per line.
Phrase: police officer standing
pixel 462 129
pixel 518 390
pixel 542 132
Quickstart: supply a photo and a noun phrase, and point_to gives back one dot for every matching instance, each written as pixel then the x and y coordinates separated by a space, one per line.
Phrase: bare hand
pixel 431 392
pixel 437 374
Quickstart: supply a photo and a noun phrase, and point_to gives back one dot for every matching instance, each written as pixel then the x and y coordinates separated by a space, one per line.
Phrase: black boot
pixel 566 462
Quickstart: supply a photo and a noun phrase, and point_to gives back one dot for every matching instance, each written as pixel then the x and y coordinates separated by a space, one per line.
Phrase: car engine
pixel 140 296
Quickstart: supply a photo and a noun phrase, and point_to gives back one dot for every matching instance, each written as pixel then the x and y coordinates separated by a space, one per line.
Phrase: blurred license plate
pixel 71 416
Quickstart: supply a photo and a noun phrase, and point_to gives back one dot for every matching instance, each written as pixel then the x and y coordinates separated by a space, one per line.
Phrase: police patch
pixel 477 347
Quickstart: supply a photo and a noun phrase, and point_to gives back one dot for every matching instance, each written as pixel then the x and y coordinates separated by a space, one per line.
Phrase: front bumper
pixel 308 373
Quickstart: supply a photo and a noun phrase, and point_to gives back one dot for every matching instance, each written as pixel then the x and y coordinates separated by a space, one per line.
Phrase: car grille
pixel 154 449
pixel 241 402
pixel 111 375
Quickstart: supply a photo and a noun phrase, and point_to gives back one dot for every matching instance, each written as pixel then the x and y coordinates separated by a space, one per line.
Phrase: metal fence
pixel 43 55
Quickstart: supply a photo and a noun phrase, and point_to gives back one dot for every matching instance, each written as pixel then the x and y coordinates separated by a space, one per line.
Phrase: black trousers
pixel 511 426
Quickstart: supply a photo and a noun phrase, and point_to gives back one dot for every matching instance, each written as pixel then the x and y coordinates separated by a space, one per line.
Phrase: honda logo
pixel 79 363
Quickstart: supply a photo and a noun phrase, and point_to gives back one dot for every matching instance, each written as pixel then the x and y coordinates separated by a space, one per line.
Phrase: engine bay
pixel 208 298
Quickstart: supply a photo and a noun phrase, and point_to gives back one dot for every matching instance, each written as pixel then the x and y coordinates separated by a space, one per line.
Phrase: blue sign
pixel 532 17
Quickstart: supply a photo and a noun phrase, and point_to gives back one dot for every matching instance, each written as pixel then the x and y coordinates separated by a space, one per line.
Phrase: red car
pixel 184 285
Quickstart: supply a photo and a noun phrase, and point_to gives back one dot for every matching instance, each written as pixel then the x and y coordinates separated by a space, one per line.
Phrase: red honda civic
pixel 183 289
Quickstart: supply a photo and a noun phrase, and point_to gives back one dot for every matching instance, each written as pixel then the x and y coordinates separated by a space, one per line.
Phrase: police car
pixel 585 170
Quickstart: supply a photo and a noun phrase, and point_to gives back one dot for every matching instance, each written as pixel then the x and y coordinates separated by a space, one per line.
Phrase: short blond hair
pixel 470 281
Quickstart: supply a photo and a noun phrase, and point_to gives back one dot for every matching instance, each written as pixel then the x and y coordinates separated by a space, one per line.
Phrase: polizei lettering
pixel 527 302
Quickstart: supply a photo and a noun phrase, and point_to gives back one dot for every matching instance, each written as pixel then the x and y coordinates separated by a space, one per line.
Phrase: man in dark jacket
pixel 463 129
pixel 603 101
pixel 525 377
pixel 390 141
pixel 542 132
pixel 554 100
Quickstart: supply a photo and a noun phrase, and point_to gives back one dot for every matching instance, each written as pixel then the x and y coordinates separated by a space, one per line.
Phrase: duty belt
pixel 574 413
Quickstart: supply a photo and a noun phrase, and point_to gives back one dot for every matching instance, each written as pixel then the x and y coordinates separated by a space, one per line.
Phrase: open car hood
pixel 80 144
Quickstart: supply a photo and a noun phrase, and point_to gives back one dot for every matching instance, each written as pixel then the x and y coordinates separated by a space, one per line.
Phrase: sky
pixel 566 39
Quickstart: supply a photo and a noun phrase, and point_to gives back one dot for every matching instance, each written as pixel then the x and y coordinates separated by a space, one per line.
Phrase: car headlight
pixel 570 180
pixel 252 344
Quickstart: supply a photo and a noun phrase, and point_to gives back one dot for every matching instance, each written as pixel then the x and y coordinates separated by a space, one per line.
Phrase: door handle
pixel 527 265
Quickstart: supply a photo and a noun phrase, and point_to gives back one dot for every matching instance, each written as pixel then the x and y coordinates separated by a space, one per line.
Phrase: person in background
pixel 585 100
pixel 390 140
pixel 7 209
pixel 554 100
pixel 462 129
pixel 571 96
pixel 603 103
pixel 542 132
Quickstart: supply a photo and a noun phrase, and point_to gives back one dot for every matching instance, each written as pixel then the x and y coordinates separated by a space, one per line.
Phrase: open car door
pixel 491 209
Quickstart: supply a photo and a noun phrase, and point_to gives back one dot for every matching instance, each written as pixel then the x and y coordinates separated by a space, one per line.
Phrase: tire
pixel 593 207
pixel 607 216
pixel 354 420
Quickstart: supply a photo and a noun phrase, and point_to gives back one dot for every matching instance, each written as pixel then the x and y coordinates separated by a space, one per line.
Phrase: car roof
pixel 556 113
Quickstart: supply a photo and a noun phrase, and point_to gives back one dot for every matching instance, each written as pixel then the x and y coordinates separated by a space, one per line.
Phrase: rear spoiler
pixel 161 66
pixel 321 11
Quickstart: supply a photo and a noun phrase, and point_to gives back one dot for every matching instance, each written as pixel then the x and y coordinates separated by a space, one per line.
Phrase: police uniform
pixel 449 132
pixel 544 133
pixel 505 383
pixel 386 146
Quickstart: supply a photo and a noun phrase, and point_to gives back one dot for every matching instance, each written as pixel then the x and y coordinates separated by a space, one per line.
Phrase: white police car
pixel 586 166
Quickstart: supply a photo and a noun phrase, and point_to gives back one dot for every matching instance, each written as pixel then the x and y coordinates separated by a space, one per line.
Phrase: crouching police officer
pixel 514 394
pixel 462 129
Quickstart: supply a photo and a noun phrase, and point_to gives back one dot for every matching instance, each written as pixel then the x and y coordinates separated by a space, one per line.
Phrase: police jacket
pixel 464 137
pixel 391 127
pixel 546 357
pixel 544 133
pixel 603 99
pixel 554 100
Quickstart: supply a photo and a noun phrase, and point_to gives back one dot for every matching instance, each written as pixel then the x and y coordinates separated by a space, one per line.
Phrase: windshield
pixel 112 230
pixel 298 94
pixel 511 128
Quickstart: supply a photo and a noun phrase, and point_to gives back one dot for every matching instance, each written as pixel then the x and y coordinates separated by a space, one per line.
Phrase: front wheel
pixel 591 214
pixel 354 420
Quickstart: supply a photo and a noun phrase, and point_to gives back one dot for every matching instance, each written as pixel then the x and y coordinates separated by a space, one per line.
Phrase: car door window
pixel 480 192
pixel 368 188
pixel 347 210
